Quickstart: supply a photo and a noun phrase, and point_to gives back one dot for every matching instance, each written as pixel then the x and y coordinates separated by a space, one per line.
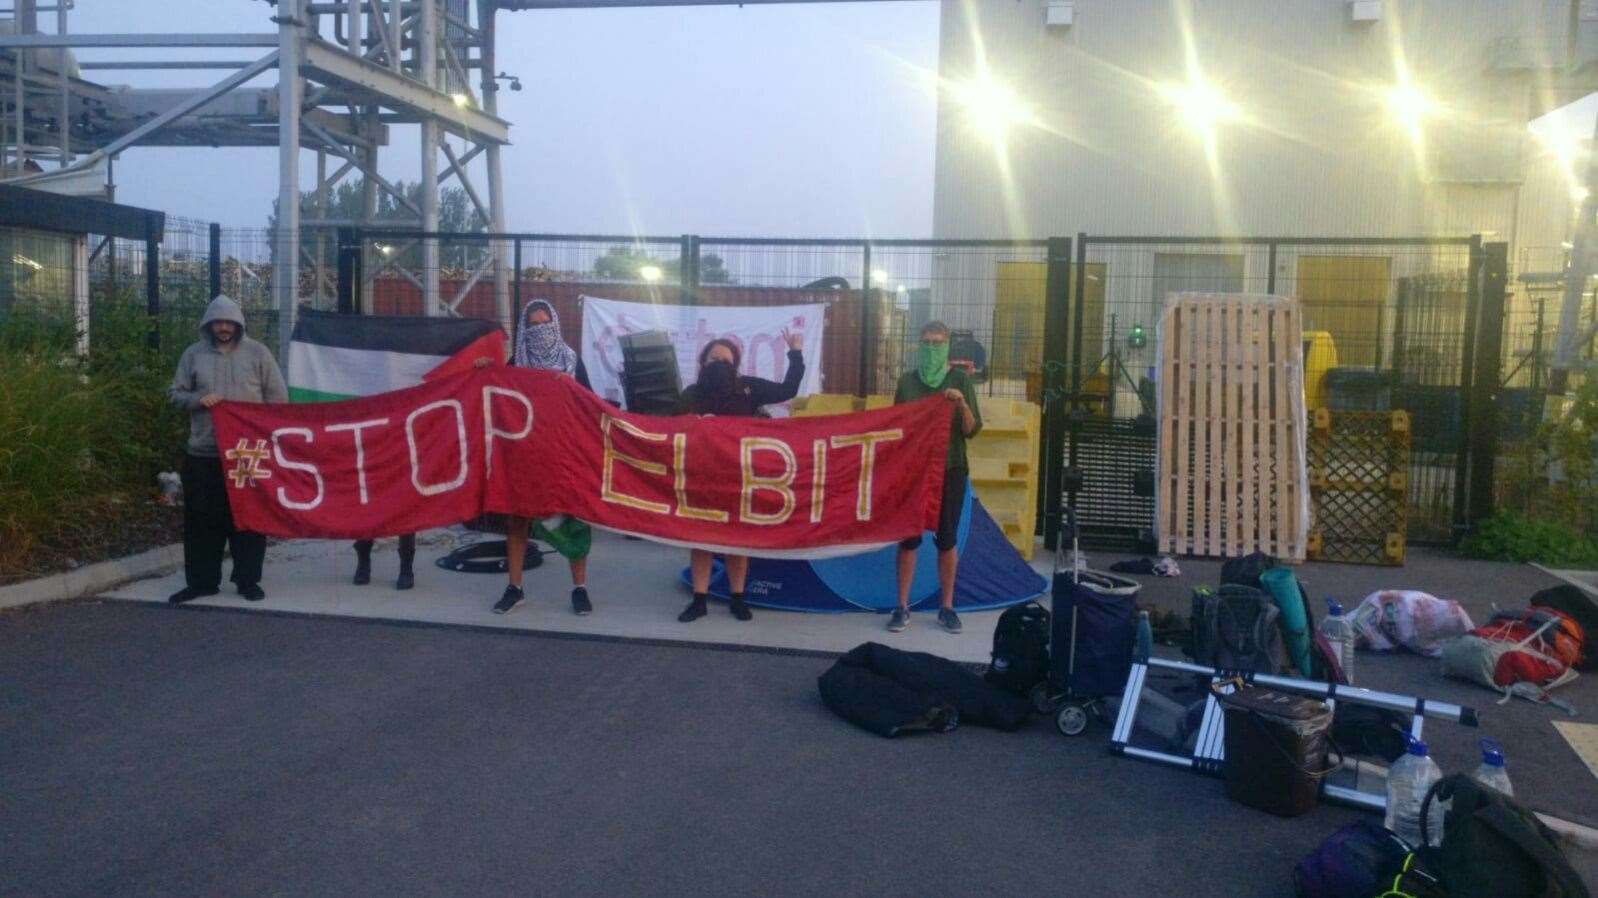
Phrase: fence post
pixel 516 289
pixel 863 381
pixel 688 270
pixel 1270 269
pixel 349 270
pixel 215 260
pixel 1467 366
pixel 1056 319
pixel 1485 381
pixel 152 289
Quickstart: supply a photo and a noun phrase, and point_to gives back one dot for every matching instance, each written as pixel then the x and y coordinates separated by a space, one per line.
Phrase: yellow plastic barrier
pixel 1320 356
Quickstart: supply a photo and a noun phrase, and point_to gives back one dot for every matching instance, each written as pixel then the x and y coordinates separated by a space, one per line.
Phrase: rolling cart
pixel 1093 623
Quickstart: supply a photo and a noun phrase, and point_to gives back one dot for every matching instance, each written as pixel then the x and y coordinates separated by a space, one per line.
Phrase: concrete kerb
pixel 93 578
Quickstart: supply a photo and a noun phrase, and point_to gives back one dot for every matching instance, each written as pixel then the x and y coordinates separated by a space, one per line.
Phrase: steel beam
pixel 178 111
pixel 328 64
pixel 36 41
pixel 427 60
pixel 286 263
pixel 517 5
pixel 486 14
pixel 151 64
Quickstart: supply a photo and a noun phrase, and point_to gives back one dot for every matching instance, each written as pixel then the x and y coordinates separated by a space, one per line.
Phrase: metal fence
pixel 1388 324
pixel 1067 323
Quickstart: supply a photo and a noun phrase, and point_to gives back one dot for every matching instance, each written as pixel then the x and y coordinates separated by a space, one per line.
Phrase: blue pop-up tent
pixel 992 574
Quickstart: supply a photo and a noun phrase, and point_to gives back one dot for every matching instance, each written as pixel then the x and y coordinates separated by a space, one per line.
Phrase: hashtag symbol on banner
pixel 247 460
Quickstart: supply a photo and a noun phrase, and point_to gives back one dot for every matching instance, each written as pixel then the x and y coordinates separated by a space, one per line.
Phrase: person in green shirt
pixel 932 377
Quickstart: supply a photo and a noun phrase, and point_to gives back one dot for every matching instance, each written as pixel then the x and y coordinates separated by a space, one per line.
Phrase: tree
pixel 345 202
pixel 625 263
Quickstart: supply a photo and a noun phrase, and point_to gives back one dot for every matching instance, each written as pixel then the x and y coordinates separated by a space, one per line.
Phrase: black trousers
pixel 208 529
pixel 947 536
pixel 407 548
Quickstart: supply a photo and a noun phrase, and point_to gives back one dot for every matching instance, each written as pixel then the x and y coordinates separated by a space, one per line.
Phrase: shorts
pixel 948 531
pixel 571 538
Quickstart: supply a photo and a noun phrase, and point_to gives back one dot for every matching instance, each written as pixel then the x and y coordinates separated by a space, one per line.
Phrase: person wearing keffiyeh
pixel 539 344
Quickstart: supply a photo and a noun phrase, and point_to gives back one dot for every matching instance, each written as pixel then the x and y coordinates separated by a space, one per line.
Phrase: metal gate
pixel 1389 323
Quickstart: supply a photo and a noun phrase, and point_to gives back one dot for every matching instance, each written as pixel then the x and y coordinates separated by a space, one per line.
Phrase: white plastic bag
pixel 1415 620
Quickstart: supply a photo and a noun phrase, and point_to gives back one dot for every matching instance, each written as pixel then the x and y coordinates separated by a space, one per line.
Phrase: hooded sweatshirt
pixel 245 371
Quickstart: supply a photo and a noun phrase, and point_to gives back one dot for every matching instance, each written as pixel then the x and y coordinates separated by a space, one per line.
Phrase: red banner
pixel 536 444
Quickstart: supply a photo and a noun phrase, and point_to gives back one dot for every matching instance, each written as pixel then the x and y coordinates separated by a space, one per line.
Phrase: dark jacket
pixel 752 393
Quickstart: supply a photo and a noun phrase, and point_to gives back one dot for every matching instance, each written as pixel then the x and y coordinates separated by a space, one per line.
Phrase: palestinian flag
pixel 334 356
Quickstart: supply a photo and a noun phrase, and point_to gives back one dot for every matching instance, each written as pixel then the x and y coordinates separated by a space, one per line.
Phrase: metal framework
pixel 347 71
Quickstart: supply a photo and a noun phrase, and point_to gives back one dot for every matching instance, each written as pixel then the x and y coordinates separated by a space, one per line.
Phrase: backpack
pixel 1493 847
pixel 1576 604
pixel 1020 648
pixel 1235 629
pixel 1246 571
pixel 1354 862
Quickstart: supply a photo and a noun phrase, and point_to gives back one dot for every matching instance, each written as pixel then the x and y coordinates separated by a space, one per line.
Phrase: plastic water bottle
pixel 1491 772
pixel 1145 638
pixel 1339 631
pixel 1410 778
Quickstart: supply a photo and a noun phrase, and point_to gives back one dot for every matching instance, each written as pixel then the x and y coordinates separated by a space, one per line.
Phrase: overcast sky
pixel 805 120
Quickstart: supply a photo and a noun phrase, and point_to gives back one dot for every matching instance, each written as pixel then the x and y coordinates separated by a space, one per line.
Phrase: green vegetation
pixel 83 437
pixel 1508 536
pixel 1552 483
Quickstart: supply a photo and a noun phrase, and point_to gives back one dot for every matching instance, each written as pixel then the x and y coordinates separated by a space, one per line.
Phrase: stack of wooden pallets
pixel 1231 473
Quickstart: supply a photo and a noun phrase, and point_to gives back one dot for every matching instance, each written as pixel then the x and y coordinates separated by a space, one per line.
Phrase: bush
pixel 1507 536
pixel 81 439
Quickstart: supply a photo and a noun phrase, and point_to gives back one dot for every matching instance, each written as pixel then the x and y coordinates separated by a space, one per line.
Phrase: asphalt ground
pixel 152 750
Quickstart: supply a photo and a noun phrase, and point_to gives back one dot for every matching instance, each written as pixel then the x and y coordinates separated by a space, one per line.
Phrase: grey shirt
pixel 247 372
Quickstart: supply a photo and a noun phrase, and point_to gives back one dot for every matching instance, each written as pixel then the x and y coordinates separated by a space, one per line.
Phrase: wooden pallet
pixel 1231 440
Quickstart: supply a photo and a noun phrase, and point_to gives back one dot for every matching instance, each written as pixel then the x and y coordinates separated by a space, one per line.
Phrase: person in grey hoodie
pixel 222 364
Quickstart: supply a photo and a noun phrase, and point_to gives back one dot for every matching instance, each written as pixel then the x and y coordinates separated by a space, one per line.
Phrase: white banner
pixel 757 330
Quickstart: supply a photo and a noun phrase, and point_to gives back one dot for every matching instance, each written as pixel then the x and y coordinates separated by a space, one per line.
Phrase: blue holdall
pixel 1357 861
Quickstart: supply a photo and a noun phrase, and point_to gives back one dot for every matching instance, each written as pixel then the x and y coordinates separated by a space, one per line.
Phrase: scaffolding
pixel 348 71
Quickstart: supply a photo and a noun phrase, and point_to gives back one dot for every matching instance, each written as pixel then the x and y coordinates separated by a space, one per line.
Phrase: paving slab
pixel 633 584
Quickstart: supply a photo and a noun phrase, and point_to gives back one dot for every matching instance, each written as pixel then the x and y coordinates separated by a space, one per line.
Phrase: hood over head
pixel 222 308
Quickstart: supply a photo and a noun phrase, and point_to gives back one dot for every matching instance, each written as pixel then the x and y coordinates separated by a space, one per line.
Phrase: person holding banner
pixel 721 390
pixel 933 375
pixel 223 364
pixel 539 344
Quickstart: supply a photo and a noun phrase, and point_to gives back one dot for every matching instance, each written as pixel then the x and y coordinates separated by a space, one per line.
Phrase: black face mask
pixel 718 378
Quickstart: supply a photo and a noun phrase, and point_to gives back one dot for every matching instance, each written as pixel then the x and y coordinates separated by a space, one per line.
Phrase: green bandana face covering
pixel 934 363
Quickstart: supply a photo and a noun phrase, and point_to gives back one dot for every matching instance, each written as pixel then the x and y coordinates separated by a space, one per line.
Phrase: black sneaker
pixel 900 621
pixel 949 620
pixel 189 594
pixel 512 597
pixel 695 610
pixel 405 580
pixel 363 573
pixel 252 592
pixel 740 608
pixel 580 604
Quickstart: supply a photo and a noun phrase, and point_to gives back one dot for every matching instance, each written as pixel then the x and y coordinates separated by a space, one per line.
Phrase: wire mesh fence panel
pixel 1385 327
pixel 1529 474
pixel 38 277
pixel 991 296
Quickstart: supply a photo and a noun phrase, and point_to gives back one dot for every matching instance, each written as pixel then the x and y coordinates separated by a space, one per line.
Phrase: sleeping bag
pixel 889 692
